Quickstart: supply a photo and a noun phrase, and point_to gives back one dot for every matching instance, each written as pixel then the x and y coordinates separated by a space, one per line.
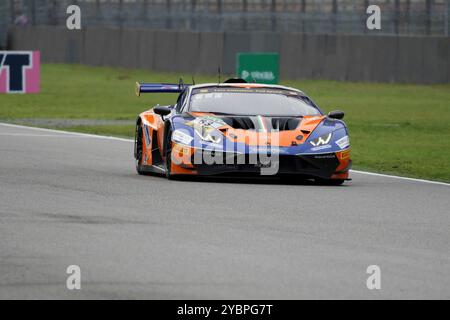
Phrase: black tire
pixel 168 154
pixel 138 154
pixel 329 182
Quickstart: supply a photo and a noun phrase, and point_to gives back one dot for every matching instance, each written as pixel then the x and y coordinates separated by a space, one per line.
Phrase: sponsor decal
pixel 343 142
pixel 263 165
pixel 244 90
pixel 323 140
pixel 207 121
pixel 327 146
pixel 325 156
pixel 206 128
pixel 19 71
pixel 265 149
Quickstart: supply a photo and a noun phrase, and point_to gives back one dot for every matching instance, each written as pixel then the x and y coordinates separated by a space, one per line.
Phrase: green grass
pixel 395 128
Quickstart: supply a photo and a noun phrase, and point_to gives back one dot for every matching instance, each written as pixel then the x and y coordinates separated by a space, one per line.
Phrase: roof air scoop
pixel 235 80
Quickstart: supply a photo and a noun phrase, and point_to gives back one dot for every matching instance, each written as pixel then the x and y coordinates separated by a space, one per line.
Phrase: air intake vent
pixel 284 124
pixel 270 124
pixel 235 80
pixel 244 123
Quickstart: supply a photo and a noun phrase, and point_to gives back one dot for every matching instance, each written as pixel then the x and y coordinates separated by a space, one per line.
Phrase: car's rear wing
pixel 160 87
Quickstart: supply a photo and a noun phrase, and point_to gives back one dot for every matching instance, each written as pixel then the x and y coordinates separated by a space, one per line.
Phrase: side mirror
pixel 162 111
pixel 336 114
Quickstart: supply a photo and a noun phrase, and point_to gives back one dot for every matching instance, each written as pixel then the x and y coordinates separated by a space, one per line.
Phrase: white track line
pixel 30 135
pixel 78 134
pixel 87 135
pixel 402 178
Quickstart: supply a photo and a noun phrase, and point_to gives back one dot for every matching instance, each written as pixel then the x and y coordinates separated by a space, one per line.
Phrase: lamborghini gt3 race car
pixel 241 128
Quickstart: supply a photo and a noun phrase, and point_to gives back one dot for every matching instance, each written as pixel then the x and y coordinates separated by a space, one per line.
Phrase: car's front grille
pixel 315 165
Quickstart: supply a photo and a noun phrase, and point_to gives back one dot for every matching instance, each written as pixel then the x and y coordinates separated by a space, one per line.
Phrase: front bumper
pixel 201 162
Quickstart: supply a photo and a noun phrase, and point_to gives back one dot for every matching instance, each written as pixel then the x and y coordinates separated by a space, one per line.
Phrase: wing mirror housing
pixel 336 114
pixel 162 111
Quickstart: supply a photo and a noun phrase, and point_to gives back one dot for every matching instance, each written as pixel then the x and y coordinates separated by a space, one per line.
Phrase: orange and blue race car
pixel 240 128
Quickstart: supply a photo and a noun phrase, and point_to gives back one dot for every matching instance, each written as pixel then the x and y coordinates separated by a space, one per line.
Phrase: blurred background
pixel 400 17
pixel 329 37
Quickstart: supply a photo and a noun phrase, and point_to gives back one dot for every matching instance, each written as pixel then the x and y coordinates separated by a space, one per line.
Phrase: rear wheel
pixel 138 148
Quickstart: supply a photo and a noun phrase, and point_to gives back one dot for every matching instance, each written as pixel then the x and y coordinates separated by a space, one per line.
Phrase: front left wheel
pixel 168 155
pixel 138 148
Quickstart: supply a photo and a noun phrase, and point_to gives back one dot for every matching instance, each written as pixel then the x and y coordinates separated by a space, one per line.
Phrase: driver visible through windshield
pixel 253 101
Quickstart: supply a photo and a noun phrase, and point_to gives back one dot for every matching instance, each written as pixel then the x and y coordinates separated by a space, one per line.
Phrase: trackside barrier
pixel 417 59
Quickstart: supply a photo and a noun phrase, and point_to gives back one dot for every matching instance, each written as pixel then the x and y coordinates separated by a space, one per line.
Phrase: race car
pixel 240 128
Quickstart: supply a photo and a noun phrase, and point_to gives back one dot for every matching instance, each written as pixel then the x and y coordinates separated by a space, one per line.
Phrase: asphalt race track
pixel 69 199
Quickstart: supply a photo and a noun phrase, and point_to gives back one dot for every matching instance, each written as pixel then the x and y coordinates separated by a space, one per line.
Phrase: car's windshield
pixel 255 101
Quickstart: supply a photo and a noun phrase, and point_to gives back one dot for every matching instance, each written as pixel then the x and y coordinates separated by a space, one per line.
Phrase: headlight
pixel 320 141
pixel 343 142
pixel 181 137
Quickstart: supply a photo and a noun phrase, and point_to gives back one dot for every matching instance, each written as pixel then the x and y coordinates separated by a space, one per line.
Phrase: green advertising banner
pixel 259 67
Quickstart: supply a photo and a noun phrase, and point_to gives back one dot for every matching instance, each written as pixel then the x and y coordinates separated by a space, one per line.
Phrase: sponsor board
pixel 19 71
pixel 259 67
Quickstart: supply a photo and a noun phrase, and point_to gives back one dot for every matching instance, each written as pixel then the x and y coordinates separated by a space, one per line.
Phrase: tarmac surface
pixel 72 199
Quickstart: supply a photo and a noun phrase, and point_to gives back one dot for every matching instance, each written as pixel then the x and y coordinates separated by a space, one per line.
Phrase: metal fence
pixel 399 17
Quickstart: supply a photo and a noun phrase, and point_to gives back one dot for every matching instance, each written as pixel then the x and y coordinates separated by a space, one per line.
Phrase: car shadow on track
pixel 268 180
pixel 235 179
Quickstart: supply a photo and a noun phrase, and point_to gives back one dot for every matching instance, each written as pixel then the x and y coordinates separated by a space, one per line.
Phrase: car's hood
pixel 290 134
